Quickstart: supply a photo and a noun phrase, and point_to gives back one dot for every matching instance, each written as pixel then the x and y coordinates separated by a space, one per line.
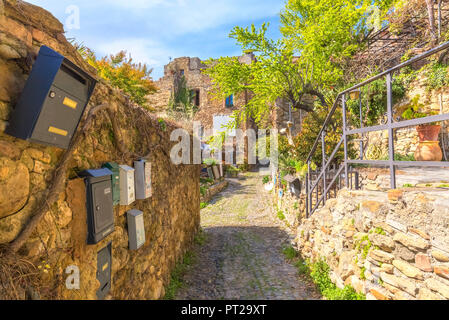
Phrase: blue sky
pixel 154 30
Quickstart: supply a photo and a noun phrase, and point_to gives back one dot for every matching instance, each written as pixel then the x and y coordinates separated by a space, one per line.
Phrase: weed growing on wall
pixel 318 272
pixel 176 279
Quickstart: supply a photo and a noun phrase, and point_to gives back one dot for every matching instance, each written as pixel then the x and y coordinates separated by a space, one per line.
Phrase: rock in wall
pixel 386 245
pixel 120 134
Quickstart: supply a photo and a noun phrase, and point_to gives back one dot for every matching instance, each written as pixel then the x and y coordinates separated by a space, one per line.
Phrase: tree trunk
pixel 430 11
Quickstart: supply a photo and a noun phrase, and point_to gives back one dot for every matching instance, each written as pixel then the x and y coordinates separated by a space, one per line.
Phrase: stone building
pixel 213 113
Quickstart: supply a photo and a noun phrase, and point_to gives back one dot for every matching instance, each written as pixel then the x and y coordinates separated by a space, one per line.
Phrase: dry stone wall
pixel 119 134
pixel 386 245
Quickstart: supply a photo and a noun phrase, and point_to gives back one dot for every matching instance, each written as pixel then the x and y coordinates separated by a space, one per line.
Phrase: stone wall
pixel 386 245
pixel 120 134
pixel 192 70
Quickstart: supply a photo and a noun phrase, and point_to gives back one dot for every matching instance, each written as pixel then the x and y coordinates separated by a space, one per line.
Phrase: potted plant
pixel 212 164
pixel 429 146
pixel 232 172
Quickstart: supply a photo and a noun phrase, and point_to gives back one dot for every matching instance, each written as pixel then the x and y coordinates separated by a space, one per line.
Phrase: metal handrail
pixel 390 126
pixel 374 78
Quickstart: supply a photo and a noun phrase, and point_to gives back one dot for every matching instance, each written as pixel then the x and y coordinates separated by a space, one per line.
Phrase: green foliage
pixel 400 157
pixel 408 185
pixel 176 279
pixel 319 272
pixel 180 105
pixel 317 37
pixel 363 246
pixel 311 126
pixel 232 169
pixel 289 252
pixel 412 111
pixel 210 162
pixel 162 124
pixel 379 230
pixel 203 190
pixel 203 205
pixel 362 273
pixel 374 101
pixel 206 180
pixel 200 239
pixel 437 76
pixel 121 72
pixel 281 215
pixel 265 179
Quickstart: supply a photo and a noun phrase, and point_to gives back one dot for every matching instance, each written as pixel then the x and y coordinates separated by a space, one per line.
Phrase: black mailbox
pixel 100 212
pixel 104 266
pixel 52 102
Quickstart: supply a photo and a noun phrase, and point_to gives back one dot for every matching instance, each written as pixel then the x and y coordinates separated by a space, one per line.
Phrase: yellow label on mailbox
pixel 70 103
pixel 58 131
pixel 105 266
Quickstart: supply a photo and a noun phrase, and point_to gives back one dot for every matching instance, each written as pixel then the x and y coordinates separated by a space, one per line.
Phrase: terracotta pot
pixel 428 151
pixel 428 132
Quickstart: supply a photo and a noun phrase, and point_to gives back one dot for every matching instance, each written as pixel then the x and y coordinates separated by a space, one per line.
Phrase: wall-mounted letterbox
pixel 52 102
pixel 127 189
pixel 136 229
pixel 104 264
pixel 142 176
pixel 115 181
pixel 210 173
pixel 100 213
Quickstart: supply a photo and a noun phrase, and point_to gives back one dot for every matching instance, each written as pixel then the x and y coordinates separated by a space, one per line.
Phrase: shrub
pixel 319 272
pixel 266 179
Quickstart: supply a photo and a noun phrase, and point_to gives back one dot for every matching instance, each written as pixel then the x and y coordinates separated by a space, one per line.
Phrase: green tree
pixel 317 35
pixel 121 72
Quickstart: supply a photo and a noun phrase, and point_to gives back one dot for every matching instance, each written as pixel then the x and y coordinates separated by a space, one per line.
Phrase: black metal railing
pixel 320 184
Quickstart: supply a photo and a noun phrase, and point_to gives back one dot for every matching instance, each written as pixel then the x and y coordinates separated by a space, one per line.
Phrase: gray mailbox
pixel 136 229
pixel 100 214
pixel 142 179
pixel 127 187
pixel 104 265
pixel 52 102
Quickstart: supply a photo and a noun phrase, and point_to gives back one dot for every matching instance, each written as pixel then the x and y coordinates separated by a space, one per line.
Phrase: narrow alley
pixel 242 257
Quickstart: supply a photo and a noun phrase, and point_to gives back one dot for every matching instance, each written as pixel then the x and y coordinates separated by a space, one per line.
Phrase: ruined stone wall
pixel 171 215
pixel 386 245
pixel 192 69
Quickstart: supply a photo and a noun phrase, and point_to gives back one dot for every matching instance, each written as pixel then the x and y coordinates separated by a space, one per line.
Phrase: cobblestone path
pixel 242 257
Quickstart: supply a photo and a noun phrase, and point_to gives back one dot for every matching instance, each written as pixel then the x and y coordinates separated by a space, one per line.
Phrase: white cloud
pixel 154 54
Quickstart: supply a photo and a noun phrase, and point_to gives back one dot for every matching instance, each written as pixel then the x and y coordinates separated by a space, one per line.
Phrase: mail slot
pixel 115 181
pixel 136 229
pixel 142 176
pixel 104 265
pixel 127 188
pixel 52 102
pixel 100 213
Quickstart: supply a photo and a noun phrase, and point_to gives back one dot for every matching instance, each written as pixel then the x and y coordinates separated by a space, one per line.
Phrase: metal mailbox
pixel 136 229
pixel 104 265
pixel 52 102
pixel 100 211
pixel 127 188
pixel 142 177
pixel 115 181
